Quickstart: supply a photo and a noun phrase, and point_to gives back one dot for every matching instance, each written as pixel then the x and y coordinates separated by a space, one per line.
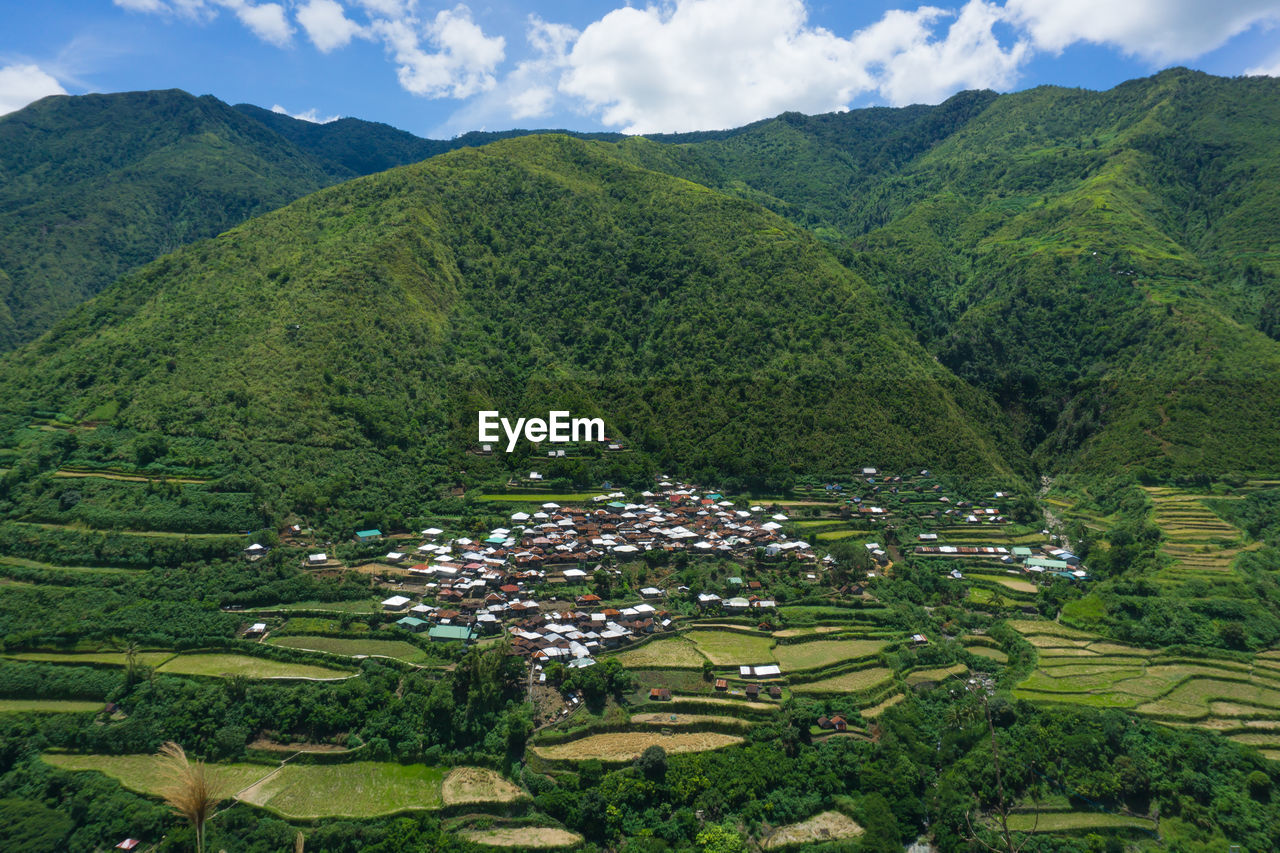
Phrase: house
pixel 127 844
pixel 451 633
pixel 394 557
pixel 254 551
pixel 317 559
pixel 413 624
pixel 839 723
pixel 368 535
pixel 775 692
pixel 919 640
pixel 660 694
pixel 651 592
pixel 753 691
pixel 824 722
pixel 722 684
pixel 257 629
pixel 396 603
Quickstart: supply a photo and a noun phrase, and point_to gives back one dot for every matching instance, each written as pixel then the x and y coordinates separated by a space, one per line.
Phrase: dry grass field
pixel 673 651
pixel 826 826
pixel 524 837
pixel 478 785
pixel 626 746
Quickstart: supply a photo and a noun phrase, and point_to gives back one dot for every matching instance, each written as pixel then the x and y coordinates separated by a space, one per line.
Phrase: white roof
pixel 779 517
pixel 395 601
pixel 432 531
pixel 318 558
pixel 395 555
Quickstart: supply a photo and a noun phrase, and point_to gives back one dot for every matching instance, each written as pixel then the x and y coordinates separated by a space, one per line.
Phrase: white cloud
pixel 22 84
pixel 310 115
pixel 326 24
pixel 700 64
pixel 267 21
pixel 141 5
pixel 463 63
pixel 1268 68
pixel 1157 30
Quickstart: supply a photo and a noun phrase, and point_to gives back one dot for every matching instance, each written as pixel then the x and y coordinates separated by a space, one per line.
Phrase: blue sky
pixel 439 69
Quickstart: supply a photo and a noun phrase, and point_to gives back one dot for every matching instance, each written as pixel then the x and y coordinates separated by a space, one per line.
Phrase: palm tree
pixel 188 789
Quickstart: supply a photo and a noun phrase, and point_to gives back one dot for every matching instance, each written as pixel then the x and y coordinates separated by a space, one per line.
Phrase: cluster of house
pixel 1047 560
pixel 478 587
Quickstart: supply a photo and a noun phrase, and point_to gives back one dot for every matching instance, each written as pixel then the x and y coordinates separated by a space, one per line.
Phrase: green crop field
pixel 988 652
pixel 48 706
pixel 399 649
pixel 112 658
pixel 625 746
pixel 358 789
pixel 143 773
pixel 725 648
pixel 1067 821
pixel 821 653
pixel 539 498
pixel 222 665
pixel 675 651
pixel 363 605
pixel 849 682
pixel 920 676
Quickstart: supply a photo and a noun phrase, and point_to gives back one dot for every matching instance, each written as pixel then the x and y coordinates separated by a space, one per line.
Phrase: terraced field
pixel 849 682
pixel 827 826
pixel 820 653
pixel 1200 543
pixel 398 649
pixel 1076 822
pixel 733 648
pixel 196 663
pixel 48 706
pixel 673 651
pixel 625 746
pixel 1241 700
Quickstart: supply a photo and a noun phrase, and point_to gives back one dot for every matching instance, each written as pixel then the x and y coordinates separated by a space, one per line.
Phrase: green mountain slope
pixel 340 348
pixel 1075 253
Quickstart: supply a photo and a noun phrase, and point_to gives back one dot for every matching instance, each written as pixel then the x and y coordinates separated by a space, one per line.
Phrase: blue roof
pixel 368 534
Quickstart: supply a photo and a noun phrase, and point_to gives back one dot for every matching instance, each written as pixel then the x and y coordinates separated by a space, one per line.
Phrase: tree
pixel 187 788
pixel 716 838
pixel 653 763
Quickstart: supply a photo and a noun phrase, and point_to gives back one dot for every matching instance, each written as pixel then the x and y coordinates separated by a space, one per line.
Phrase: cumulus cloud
pixel 462 64
pixel 702 64
pixel 1157 30
pixel 327 25
pixel 267 21
pixel 1269 68
pixel 22 84
pixel 310 115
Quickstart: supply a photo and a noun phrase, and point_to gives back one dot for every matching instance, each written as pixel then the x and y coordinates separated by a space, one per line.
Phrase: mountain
pixel 338 349
pixel 1103 263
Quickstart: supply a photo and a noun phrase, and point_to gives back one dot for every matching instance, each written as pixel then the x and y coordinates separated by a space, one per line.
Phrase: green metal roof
pixel 450 632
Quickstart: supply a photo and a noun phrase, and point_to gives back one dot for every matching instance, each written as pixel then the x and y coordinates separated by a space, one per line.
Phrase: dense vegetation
pixel 532 274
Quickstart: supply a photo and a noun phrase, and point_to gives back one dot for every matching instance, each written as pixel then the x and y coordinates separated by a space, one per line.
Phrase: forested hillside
pixel 1103 263
pixel 339 349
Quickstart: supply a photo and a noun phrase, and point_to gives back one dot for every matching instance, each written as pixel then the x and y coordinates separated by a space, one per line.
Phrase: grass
pixel 821 653
pixel 825 826
pixel 626 746
pixel 525 837
pixel 988 652
pixel 48 706
pixel 920 676
pixel 398 649
pixel 144 774
pixel 35 564
pixel 364 605
pixel 357 789
pixel 675 651
pixel 726 648
pixel 112 658
pixel 849 682
pixel 879 708
pixel 804 632
pixel 222 665
pixel 678 719
pixel 1065 821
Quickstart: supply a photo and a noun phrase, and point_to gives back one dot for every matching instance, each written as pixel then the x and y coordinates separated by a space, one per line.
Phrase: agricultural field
pixel 1240 700
pixel 878 709
pixel 578 498
pixel 826 826
pixel 627 746
pixel 1199 542
pixel 733 648
pixel 362 605
pixel 804 632
pixel 674 651
pixel 22 563
pixel 226 665
pixel 668 719
pixel 1075 822
pixel 109 657
pixel 143 773
pixel 849 682
pixel 821 653
pixel 49 706
pixel 524 837
pixel 357 789
pixel 398 649
pixel 478 785
pixel 987 652
pixel 920 676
